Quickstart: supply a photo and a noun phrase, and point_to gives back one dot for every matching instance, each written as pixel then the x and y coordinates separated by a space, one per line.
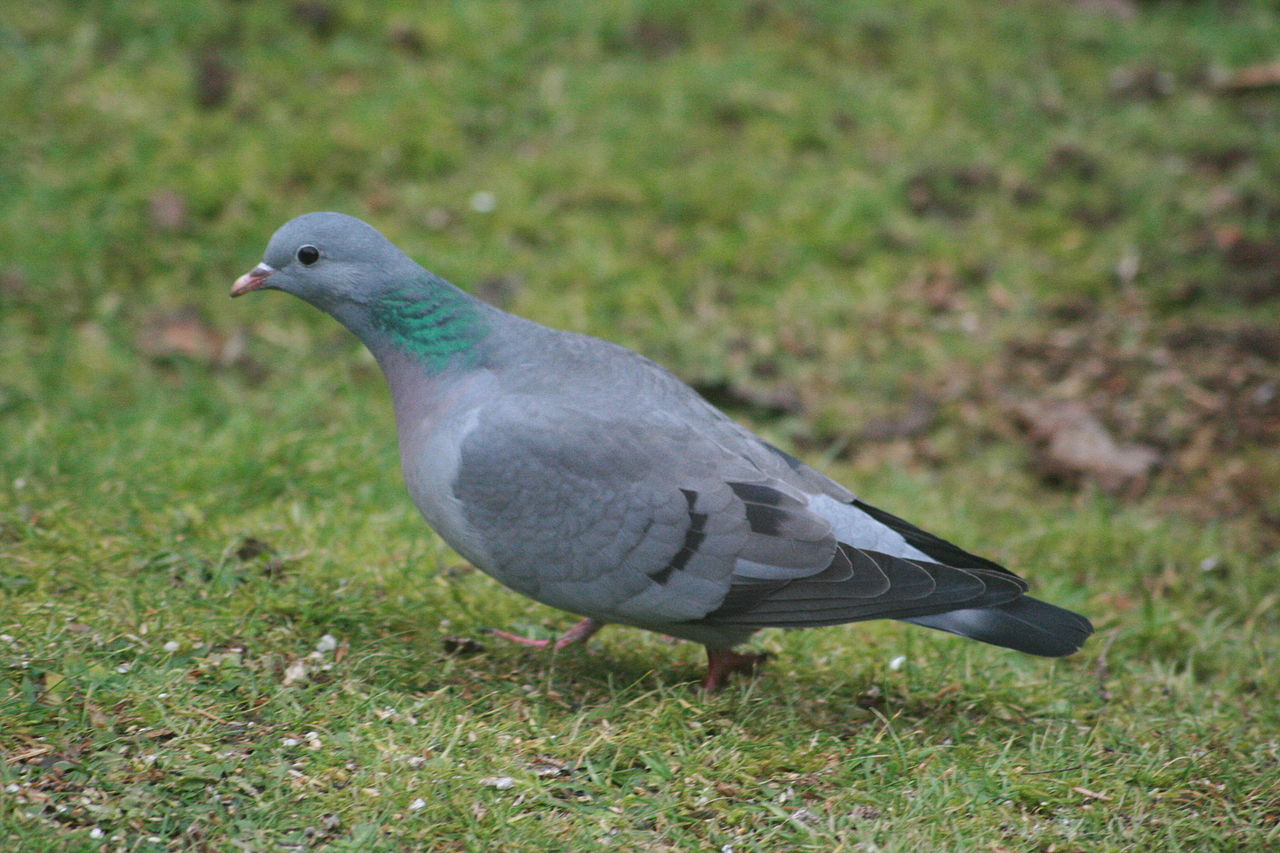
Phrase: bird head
pixel 329 260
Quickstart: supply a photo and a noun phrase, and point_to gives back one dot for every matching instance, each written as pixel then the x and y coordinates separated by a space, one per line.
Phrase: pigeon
pixel 589 478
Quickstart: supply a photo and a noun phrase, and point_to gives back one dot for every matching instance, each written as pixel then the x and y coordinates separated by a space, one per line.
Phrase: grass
pixel 868 231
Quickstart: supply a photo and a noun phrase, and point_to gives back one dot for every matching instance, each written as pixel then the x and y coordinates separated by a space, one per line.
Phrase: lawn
pixel 1011 270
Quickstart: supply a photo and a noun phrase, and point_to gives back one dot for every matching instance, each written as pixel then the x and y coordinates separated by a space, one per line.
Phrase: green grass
pixel 824 216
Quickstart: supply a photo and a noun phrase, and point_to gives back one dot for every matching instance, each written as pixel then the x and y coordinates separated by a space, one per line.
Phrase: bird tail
pixel 1025 624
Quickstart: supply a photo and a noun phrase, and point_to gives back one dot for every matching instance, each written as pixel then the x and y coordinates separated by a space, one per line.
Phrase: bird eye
pixel 308 255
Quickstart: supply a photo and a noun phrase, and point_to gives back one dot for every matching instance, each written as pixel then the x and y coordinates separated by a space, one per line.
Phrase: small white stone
pixel 289 741
pixel 416 761
pixel 295 673
pixel 172 646
pixel 327 643
pixel 484 202
pixel 502 783
pixel 896 663
pixel 417 805
pixel 123 668
pixel 12 788
pixel 96 833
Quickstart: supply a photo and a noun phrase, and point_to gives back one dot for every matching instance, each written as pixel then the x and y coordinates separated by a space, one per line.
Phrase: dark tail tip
pixel 1025 625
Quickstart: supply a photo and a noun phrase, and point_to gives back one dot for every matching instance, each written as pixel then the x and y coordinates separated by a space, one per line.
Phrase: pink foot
pixel 722 663
pixel 577 634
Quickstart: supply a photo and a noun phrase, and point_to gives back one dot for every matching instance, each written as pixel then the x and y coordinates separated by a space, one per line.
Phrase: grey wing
pixel 639 522
pixel 651 522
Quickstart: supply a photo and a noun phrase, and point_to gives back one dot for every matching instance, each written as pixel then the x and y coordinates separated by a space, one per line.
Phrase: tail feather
pixel 1025 624
pixel 874 586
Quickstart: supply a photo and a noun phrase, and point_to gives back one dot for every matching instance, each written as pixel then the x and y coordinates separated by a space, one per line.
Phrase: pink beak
pixel 252 280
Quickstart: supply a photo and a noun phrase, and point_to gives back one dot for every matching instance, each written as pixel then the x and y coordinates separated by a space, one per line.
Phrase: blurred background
pixel 1009 269
pixel 918 230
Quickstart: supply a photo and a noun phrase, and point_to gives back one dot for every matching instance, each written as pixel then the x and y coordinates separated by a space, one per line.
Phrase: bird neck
pixel 433 323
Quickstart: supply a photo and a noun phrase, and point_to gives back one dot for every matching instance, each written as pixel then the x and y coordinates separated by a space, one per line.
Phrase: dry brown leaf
pixel 1071 443
pixel 168 210
pixel 185 334
pixel 1264 75
pixel 96 715
pixel 1093 795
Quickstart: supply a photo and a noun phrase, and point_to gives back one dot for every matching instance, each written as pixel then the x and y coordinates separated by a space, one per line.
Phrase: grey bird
pixel 587 477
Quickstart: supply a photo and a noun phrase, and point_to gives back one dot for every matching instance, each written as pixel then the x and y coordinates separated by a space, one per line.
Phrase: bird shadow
pixel 843 706
pixel 803 682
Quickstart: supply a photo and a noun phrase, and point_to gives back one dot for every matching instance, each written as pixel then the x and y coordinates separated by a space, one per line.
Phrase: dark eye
pixel 308 255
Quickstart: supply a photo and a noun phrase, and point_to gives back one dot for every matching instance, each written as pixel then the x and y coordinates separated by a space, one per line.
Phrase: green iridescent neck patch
pixel 440 326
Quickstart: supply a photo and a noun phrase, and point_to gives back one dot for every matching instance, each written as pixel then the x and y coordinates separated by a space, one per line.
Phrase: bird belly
pixel 429 459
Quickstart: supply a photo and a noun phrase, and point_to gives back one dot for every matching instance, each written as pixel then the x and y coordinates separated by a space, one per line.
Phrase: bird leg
pixel 577 634
pixel 722 663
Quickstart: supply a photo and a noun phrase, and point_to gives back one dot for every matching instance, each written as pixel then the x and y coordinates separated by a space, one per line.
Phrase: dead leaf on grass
pixel 1072 444
pixel 546 766
pixel 1093 795
pixel 96 716
pixel 168 210
pixel 1264 75
pixel 185 334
